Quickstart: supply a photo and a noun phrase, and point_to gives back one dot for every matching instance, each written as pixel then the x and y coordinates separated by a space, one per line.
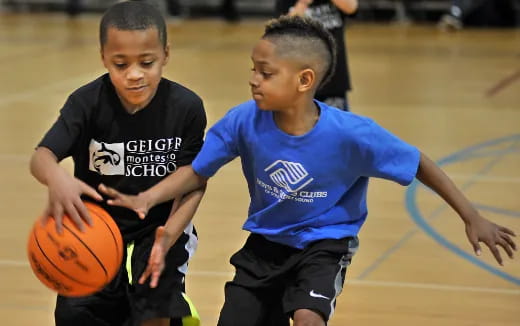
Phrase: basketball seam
pixel 90 250
pixel 55 266
pixel 112 233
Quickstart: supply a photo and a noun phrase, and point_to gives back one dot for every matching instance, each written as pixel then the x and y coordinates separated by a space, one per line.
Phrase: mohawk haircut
pixel 306 39
pixel 131 16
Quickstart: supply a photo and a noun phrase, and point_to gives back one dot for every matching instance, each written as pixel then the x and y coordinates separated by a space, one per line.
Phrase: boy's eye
pixel 147 63
pixel 263 73
pixel 120 65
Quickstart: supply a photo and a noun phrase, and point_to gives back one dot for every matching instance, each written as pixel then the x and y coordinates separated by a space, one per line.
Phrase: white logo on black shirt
pixel 106 159
pixel 138 158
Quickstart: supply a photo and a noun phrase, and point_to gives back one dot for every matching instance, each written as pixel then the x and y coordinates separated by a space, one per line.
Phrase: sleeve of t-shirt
pixel 62 137
pixel 220 147
pixel 386 156
pixel 193 137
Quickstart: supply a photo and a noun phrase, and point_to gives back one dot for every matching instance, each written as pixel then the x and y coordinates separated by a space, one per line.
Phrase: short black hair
pixel 305 37
pixel 130 16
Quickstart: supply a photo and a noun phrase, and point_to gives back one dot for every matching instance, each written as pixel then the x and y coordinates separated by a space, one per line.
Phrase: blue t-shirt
pixel 309 187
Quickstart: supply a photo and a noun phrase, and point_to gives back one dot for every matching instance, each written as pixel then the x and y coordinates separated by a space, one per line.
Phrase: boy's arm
pixel 347 6
pixel 181 182
pixel 299 8
pixel 181 214
pixel 64 190
pixel 478 229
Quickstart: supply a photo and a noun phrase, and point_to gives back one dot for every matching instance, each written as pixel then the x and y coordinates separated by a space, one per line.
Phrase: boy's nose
pixel 135 73
pixel 252 81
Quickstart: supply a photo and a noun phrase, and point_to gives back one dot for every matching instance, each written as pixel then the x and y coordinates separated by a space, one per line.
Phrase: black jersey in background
pixel 333 19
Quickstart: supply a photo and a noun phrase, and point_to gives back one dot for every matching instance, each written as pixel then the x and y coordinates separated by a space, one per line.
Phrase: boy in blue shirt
pixel 307 167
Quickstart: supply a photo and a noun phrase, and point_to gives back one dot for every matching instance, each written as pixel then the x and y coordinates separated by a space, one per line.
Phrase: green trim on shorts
pixel 194 319
pixel 128 266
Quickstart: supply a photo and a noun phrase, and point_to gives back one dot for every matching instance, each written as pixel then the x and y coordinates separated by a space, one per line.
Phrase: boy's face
pixel 134 60
pixel 274 80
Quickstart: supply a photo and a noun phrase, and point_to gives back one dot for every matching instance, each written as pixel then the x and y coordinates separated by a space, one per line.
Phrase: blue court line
pixel 411 204
pixel 496 210
pixel 497 152
pixel 420 221
pixel 468 151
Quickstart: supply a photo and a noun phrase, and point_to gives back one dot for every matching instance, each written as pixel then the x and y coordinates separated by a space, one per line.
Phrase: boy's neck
pixel 298 120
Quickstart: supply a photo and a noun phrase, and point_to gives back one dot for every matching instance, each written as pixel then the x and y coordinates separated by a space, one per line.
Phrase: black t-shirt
pixel 129 152
pixel 333 19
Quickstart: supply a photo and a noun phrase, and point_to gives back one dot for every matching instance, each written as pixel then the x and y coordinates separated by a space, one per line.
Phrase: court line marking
pixel 371 283
pixel 496 210
pixel 15 157
pixel 411 205
pixel 422 222
pixel 486 178
pixel 440 208
pixel 78 81
pixel 13 263
pixel 503 83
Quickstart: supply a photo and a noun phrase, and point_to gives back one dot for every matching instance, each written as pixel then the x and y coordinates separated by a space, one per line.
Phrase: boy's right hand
pixel 64 199
pixel 138 203
pixel 156 260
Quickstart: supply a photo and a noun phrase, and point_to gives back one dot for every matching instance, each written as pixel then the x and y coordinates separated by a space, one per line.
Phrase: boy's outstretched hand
pixel 480 229
pixel 156 261
pixel 137 203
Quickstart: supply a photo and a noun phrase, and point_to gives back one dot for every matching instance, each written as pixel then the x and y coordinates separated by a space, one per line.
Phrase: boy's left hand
pixel 156 261
pixel 482 230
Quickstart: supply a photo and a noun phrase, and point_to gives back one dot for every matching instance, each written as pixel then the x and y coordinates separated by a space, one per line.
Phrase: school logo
pixel 136 158
pixel 107 159
pixel 289 176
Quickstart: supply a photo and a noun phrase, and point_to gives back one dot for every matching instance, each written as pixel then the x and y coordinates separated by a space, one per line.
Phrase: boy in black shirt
pixel 128 129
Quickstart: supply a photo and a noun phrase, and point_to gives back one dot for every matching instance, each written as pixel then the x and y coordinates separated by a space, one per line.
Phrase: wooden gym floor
pixel 455 96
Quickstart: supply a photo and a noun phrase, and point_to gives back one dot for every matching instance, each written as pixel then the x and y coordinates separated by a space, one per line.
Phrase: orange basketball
pixel 76 263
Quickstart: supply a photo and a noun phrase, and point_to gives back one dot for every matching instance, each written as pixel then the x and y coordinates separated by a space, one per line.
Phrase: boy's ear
pixel 166 53
pixel 306 80
pixel 102 57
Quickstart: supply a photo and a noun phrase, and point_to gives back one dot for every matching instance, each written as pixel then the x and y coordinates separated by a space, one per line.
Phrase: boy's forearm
pixel 347 6
pixel 180 218
pixel 43 164
pixel 183 181
pixel 433 177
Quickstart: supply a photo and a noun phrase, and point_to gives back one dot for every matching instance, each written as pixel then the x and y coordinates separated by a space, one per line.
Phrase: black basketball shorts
pixel 125 302
pixel 272 281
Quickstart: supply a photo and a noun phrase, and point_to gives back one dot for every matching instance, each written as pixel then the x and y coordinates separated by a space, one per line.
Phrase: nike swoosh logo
pixel 317 295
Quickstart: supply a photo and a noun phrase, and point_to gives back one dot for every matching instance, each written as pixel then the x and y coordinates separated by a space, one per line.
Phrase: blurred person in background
pixel 73 7
pixel 332 14
pixel 229 12
pixel 496 13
